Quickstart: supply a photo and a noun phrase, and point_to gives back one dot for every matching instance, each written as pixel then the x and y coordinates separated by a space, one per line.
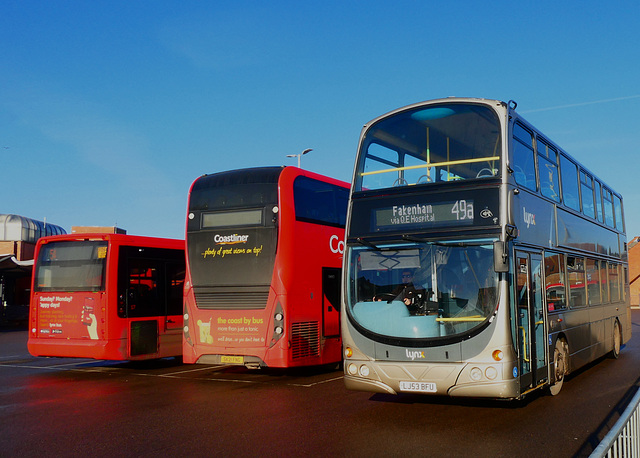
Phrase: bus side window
pixel 593 282
pixel 599 209
pixel 604 282
pixel 569 175
pixel 586 191
pixel 524 169
pixel 577 284
pixel 555 281
pixel 614 282
pixel 548 171
pixel 608 207
pixel 618 209
pixel 319 202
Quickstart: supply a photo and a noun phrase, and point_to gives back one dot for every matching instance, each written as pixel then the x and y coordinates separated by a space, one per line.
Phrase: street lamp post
pixel 300 155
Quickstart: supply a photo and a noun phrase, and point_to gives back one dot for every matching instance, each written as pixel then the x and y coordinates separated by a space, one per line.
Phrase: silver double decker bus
pixel 481 259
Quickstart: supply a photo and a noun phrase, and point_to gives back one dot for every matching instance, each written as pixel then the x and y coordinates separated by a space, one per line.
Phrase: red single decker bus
pixel 107 296
pixel 264 259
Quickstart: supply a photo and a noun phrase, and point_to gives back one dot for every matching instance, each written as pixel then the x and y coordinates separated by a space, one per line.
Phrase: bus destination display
pixel 458 212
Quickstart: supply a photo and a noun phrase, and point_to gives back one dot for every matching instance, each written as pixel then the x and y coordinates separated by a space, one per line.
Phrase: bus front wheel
pixel 560 365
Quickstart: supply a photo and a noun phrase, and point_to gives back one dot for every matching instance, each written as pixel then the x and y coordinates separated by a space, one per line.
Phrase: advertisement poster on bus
pixel 68 316
pixel 238 258
pixel 243 330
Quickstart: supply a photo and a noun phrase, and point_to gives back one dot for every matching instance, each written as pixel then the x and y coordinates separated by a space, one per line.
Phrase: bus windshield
pixel 71 266
pixel 422 290
pixel 440 143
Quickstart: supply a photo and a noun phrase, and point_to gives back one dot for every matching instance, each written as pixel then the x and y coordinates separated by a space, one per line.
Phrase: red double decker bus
pixel 264 257
pixel 107 296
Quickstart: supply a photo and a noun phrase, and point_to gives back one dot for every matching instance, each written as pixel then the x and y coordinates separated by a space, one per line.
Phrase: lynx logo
pixel 413 354
pixel 529 218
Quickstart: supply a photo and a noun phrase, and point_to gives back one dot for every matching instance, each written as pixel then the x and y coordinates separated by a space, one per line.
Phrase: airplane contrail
pixel 582 104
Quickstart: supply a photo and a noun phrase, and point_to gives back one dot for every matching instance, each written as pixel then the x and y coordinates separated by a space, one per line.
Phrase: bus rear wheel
pixel 617 340
pixel 560 365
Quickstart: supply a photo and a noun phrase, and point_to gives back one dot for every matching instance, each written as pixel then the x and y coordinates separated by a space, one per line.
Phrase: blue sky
pixel 110 109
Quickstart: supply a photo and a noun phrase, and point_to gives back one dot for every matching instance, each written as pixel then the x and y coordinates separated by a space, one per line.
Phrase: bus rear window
pixel 71 266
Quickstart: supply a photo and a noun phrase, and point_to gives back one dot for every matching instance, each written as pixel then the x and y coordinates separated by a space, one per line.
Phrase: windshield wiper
pixel 366 243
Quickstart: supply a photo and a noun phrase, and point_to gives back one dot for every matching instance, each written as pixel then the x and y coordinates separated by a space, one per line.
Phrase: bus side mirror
pixel 500 257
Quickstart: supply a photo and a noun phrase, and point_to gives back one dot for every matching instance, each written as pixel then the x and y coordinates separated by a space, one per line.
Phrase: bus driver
pixel 414 298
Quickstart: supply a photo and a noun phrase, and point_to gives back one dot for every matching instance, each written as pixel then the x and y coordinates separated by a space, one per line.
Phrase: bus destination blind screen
pixel 458 212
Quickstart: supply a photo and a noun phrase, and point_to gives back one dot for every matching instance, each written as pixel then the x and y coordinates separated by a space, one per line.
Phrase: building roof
pixel 21 229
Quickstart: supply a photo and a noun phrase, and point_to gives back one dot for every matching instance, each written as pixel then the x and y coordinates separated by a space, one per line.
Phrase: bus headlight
pixel 186 329
pixel 278 330
pixel 364 371
pixel 476 374
pixel 491 372
pixel 279 317
pixel 352 369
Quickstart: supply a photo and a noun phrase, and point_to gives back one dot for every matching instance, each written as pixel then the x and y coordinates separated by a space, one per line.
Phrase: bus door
pixel 531 320
pixel 152 281
pixel 143 304
pixel 331 277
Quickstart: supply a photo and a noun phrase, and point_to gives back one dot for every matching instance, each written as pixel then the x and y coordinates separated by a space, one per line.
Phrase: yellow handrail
pixel 433 164
pixel 464 318
pixel 524 344
pixel 524 341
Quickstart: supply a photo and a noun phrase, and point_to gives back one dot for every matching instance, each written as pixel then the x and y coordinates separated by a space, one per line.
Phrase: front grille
pixel 305 340
pixel 231 298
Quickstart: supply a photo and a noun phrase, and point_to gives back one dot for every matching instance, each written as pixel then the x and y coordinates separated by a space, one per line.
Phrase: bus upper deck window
pixel 443 143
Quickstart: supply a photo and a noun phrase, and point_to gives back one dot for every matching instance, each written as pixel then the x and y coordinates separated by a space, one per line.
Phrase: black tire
pixel 560 366
pixel 617 340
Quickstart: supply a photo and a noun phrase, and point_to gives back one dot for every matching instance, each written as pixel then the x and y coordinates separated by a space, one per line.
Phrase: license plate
pixel 232 359
pixel 418 387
